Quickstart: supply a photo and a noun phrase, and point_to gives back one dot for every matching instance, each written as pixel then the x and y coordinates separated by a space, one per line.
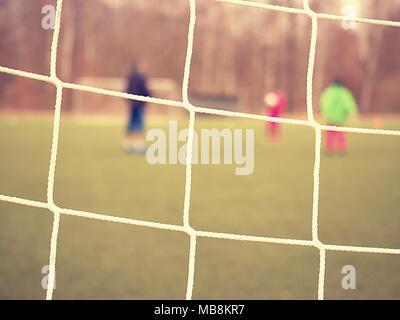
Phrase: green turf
pixel 359 205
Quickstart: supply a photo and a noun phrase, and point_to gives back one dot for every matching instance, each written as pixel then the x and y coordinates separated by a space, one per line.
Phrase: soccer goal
pixel 111 87
pixel 88 103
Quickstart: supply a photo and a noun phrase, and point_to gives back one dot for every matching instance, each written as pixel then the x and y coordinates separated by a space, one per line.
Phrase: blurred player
pixel 337 103
pixel 134 137
pixel 276 104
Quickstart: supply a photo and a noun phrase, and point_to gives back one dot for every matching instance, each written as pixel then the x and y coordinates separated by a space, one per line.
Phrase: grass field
pixel 359 205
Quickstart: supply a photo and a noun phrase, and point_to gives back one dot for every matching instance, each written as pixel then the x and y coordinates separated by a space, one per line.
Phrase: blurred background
pixel 240 54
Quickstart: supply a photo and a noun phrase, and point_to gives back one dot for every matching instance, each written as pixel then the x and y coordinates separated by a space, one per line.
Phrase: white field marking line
pixel 53 157
pixel 192 109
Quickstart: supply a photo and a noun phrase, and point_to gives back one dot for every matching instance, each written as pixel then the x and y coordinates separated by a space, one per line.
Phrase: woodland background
pixel 238 51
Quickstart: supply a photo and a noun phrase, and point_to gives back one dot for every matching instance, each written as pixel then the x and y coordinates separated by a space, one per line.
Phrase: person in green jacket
pixel 337 103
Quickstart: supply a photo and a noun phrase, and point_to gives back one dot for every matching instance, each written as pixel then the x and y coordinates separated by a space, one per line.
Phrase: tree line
pixel 238 51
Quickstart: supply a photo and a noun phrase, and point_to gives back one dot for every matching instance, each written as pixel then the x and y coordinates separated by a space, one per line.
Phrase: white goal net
pixel 84 103
pixel 193 110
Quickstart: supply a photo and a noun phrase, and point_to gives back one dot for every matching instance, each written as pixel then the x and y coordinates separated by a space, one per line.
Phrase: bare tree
pixel 370 52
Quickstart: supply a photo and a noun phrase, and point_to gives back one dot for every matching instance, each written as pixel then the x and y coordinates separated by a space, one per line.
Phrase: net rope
pixel 192 109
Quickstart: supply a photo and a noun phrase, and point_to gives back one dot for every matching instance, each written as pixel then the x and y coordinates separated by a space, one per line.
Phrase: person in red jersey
pixel 276 104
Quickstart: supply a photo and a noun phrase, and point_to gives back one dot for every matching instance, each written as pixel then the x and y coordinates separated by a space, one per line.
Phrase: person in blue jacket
pixel 134 136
